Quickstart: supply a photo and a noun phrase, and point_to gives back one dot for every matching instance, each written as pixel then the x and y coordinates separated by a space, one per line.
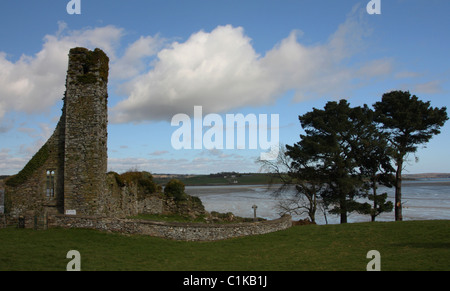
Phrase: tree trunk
pixel 312 214
pixel 343 217
pixel 374 212
pixel 398 191
pixel 343 209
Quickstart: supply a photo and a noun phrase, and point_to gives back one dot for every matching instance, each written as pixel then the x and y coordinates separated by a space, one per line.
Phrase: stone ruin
pixel 68 175
pixel 67 178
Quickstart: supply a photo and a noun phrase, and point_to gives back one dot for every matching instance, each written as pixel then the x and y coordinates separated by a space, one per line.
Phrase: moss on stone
pixel 95 61
pixel 35 163
pixel 87 79
pixel 143 180
pixel 100 57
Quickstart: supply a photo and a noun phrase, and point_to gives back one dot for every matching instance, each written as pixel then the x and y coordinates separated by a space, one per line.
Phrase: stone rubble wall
pixel 172 230
pixel 76 153
pixel 85 136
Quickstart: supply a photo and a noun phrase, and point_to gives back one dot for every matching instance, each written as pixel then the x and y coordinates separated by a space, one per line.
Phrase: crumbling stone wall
pixel 26 192
pixel 173 230
pixel 68 175
pixel 69 171
pixel 129 198
pixel 85 159
pixel 134 193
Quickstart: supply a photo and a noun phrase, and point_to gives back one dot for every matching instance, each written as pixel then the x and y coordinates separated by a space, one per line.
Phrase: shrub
pixel 144 180
pixel 175 188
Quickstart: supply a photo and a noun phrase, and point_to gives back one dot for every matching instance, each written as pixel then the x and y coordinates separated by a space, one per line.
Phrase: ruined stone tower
pixel 68 174
pixel 86 121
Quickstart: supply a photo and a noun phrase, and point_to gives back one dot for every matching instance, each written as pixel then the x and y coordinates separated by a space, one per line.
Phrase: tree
pixel 409 122
pixel 299 176
pixel 309 184
pixel 331 147
pixel 375 162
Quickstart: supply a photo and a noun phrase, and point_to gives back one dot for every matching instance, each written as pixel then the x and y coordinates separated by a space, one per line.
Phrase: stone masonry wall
pixel 127 200
pixel 173 230
pixel 26 193
pixel 85 160
pixel 69 170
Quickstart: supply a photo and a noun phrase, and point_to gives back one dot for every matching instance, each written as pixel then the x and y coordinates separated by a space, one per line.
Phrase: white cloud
pixel 407 75
pixel 220 70
pixel 131 63
pixel 33 84
pixel 201 163
pixel 376 68
pixel 9 163
pixel 431 87
pixel 420 87
pixel 158 153
pixel 209 69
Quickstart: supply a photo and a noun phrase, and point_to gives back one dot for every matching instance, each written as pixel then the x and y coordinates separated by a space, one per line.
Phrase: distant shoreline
pixel 248 179
pixel 427 176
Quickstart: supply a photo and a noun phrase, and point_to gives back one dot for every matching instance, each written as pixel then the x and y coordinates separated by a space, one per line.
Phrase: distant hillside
pixel 427 176
pixel 254 178
pixel 216 179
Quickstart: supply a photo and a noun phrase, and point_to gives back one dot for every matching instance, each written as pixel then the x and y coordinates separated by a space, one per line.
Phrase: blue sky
pixel 230 57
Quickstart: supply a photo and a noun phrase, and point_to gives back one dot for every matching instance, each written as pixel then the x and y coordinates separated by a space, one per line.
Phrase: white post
pixel 254 212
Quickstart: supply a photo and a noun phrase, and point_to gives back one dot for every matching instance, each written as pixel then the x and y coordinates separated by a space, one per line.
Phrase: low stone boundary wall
pixel 173 230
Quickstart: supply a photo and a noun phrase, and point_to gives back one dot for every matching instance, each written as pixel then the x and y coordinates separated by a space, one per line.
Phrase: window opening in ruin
pixel 50 184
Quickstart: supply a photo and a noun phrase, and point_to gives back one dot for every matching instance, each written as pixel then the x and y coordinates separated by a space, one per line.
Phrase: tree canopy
pixel 346 152
pixel 331 147
pixel 408 122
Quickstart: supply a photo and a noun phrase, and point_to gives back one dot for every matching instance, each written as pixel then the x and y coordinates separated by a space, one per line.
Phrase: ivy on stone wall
pixel 35 163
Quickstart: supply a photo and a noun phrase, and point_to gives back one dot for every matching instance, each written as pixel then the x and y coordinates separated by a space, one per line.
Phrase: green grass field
pixel 409 245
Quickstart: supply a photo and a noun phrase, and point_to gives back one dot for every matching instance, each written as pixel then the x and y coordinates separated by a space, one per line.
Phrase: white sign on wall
pixel 71 212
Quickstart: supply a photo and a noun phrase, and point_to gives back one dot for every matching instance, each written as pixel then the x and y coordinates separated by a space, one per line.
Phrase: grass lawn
pixel 408 245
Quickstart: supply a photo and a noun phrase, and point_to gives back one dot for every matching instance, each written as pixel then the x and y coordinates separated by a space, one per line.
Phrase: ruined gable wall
pixel 26 192
pixel 76 153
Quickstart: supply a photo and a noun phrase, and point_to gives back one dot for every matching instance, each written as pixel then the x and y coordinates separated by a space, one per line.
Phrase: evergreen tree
pixel 331 144
pixel 409 122
pixel 375 162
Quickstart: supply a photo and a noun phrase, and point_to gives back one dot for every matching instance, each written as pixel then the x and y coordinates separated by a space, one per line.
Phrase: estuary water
pixel 423 199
